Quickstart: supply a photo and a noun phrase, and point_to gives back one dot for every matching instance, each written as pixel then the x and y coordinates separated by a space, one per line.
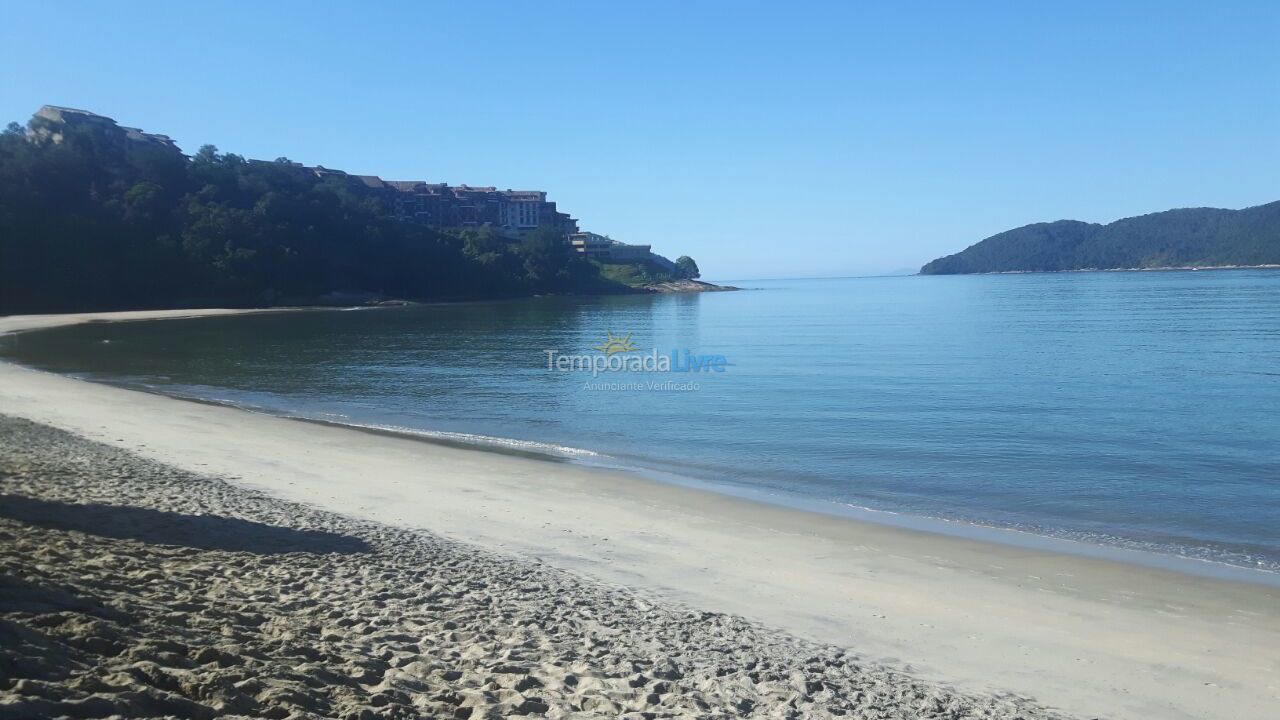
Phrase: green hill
pixel 95 216
pixel 1189 237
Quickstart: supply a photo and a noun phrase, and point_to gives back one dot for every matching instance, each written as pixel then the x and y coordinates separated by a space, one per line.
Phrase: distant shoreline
pixel 671 287
pixel 1202 238
pixel 1171 268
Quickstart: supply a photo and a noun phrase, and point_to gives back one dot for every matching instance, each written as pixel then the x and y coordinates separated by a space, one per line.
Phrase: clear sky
pixel 764 139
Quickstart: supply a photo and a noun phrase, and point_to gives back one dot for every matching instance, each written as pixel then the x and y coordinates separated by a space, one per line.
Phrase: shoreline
pixel 1131 553
pixel 933 525
pixel 975 531
pixel 1171 268
pixel 1087 635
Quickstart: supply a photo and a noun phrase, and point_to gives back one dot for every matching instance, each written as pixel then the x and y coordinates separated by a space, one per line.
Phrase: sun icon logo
pixel 616 344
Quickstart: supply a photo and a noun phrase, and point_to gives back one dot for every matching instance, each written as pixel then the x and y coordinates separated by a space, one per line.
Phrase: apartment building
pixel 605 249
pixel 442 206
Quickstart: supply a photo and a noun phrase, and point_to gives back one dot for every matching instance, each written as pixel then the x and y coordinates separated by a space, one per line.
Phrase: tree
pixel 687 268
pixel 548 260
pixel 483 244
pixel 94 221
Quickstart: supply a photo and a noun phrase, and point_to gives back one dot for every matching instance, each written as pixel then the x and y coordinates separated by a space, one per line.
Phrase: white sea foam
pixel 488 441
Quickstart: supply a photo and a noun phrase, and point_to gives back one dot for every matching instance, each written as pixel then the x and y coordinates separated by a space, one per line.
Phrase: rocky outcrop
pixel 684 286
pixel 50 123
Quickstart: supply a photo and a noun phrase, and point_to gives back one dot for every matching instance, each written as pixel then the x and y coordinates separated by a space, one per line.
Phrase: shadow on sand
pixel 203 532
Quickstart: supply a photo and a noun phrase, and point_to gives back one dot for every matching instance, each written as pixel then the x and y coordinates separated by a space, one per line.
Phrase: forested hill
pixel 105 217
pixel 1191 237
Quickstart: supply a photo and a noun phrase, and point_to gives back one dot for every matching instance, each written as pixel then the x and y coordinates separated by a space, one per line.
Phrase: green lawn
pixel 633 274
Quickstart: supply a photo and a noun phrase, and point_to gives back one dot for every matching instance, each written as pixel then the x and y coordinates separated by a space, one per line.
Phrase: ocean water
pixel 1130 409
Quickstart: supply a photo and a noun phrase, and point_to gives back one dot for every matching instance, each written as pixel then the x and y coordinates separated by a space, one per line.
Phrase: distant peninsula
pixel 1182 238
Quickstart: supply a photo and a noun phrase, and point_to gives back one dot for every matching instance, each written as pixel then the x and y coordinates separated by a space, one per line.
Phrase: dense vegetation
pixel 93 222
pixel 1195 237
pixel 687 268
pixel 651 272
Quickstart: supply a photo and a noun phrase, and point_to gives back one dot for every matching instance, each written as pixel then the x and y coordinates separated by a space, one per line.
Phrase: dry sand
pixel 1090 637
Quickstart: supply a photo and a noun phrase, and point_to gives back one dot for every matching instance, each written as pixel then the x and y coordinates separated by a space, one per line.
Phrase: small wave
pixel 487 441
pixel 473 440
pixel 1172 554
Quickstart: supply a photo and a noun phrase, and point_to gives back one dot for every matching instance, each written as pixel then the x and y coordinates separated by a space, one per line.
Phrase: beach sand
pixel 854 617
pixel 129 587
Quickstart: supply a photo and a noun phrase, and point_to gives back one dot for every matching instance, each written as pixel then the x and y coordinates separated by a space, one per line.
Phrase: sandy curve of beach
pixel 131 588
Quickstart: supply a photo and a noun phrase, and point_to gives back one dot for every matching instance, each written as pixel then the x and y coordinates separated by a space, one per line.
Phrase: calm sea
pixel 1138 409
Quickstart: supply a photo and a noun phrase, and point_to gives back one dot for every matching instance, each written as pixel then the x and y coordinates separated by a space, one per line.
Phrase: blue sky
pixel 764 139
